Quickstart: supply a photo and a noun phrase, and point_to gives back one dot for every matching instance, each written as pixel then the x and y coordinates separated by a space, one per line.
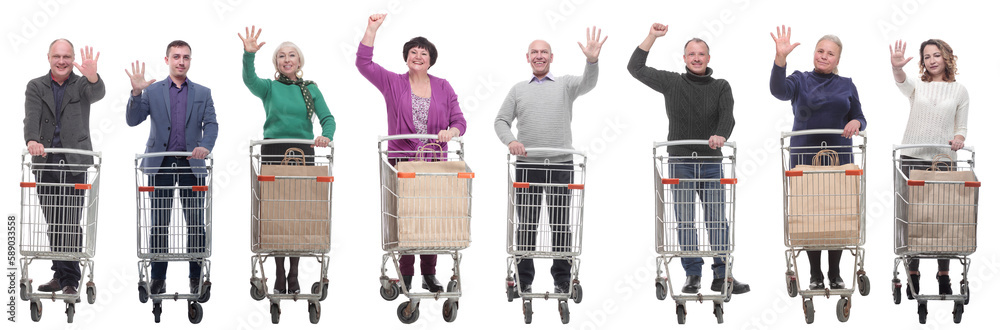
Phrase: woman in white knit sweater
pixel 939 112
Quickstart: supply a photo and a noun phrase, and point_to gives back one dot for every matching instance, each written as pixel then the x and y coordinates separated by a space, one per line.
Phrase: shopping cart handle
pixel 67 151
pixel 168 154
pixel 942 146
pixel 688 143
pixel 295 141
pixel 833 131
pixel 383 138
pixel 555 150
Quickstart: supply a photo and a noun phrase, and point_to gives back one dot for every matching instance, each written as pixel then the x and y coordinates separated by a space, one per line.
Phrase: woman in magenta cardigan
pixel 416 103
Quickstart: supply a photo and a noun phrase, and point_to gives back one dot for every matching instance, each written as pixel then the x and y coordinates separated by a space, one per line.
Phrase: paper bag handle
pixel 292 159
pixel 939 159
pixel 829 154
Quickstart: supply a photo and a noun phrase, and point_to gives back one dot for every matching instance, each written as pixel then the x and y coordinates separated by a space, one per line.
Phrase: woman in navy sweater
pixel 821 99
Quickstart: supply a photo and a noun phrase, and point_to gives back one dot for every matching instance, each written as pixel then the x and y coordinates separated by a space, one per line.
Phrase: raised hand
pixel 593 48
pixel 375 21
pixel 782 45
pixel 138 78
pixel 250 42
pixel 658 30
pixel 897 55
pixel 88 63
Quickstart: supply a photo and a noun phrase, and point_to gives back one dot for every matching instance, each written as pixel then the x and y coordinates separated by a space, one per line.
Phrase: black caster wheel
pixel 195 313
pixel 957 312
pixel 157 310
pixel 718 313
pixel 864 286
pixel 91 293
pixel 681 314
pixel 36 311
pixel 922 312
pixel 206 292
pixel 143 293
pixel 407 318
pixel 661 291
pixel 843 310
pixel 897 291
pixel 391 293
pixel 313 313
pixel 526 308
pixel 807 306
pixel 577 293
pixel 564 311
pixel 450 310
pixel 275 313
pixel 70 312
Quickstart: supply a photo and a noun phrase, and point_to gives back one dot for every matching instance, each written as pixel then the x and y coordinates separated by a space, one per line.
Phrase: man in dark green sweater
pixel 699 107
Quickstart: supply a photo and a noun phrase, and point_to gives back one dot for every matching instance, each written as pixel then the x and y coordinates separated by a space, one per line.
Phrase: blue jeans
pixel 713 200
pixel 193 209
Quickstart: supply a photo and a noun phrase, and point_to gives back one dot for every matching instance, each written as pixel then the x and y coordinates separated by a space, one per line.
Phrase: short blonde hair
pixel 836 40
pixel 302 58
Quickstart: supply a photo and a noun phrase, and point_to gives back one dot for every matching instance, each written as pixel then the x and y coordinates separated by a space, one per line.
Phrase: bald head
pixel 539 57
pixel 60 58
pixel 539 44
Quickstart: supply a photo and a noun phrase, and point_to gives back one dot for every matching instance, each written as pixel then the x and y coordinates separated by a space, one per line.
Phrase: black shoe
pixel 738 287
pixel 431 284
pixel 816 283
pixel 279 282
pixel 836 283
pixel 194 284
pixel 562 287
pixel 915 281
pixel 526 288
pixel 407 279
pixel 944 284
pixel 51 286
pixel 692 284
pixel 157 286
pixel 293 284
pixel 69 290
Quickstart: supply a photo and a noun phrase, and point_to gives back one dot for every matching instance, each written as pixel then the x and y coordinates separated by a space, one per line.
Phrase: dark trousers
pixel 62 207
pixel 911 163
pixel 193 204
pixel 529 205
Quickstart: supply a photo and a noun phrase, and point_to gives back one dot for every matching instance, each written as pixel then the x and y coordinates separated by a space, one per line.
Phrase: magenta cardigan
pixel 444 111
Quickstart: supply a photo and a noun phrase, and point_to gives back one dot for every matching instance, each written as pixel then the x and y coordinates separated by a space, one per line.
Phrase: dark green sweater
pixel 697 106
pixel 284 108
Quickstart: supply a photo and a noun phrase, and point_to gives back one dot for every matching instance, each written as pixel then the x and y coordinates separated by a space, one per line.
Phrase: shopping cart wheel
pixel 526 308
pixel 511 292
pixel 452 286
pixel 25 290
pixel 313 313
pixel 793 287
pixel 450 310
pixel 729 291
pixel 965 291
pixel 807 306
pixel 195 313
pixel 390 293
pixel 275 313
pixel 36 311
pixel 256 293
pixel 957 312
pixel 206 292
pixel 143 293
pixel 405 317
pixel 320 289
pixel 577 293
pixel 897 292
pixel 661 291
pixel 157 309
pixel 91 293
pixel 718 313
pixel 922 312
pixel 681 314
pixel 843 310
pixel 864 286
pixel 564 311
pixel 70 312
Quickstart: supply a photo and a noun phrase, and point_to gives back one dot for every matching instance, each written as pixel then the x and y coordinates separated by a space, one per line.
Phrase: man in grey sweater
pixel 699 107
pixel 543 107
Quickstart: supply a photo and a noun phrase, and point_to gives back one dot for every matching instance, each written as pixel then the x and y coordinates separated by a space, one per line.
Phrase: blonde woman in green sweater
pixel 289 105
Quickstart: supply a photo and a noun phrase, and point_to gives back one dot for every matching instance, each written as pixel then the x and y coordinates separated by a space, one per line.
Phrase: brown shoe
pixel 51 286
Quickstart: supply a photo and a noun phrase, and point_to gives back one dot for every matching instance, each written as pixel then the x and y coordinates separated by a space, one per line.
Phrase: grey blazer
pixel 40 114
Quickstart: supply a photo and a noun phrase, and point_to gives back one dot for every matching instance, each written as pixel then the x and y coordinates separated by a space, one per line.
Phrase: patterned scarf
pixel 306 96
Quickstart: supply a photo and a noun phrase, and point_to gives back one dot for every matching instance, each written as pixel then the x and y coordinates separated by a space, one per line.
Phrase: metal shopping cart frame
pixel 542 231
pixel 859 278
pixel 907 252
pixel 265 250
pixel 177 232
pixel 36 242
pixel 392 184
pixel 669 244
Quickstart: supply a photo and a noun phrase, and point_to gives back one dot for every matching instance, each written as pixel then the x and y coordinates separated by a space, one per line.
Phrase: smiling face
pixel 933 61
pixel 418 60
pixel 696 57
pixel 826 57
pixel 288 62
pixel 61 59
pixel 540 57
pixel 179 60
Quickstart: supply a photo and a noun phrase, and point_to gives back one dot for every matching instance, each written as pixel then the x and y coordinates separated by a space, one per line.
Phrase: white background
pixel 481 47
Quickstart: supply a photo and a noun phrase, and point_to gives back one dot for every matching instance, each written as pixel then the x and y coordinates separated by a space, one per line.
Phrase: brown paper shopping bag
pixel 942 217
pixel 824 208
pixel 294 211
pixel 433 211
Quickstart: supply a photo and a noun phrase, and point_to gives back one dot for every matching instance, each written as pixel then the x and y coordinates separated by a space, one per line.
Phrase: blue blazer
pixel 200 129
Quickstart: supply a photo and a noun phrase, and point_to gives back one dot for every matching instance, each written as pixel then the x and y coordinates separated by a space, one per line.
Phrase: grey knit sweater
pixel 543 112
pixel 697 106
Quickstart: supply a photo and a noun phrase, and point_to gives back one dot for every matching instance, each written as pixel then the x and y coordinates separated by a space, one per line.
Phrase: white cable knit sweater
pixel 938 112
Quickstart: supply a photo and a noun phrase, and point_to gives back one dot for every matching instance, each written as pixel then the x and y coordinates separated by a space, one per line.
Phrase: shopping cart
pixel 936 215
pixel 426 209
pixel 545 221
pixel 174 223
pixel 677 180
pixel 824 209
pixel 291 212
pixel 59 221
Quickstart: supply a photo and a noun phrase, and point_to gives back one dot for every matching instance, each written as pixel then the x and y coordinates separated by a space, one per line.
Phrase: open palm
pixel 593 48
pixel 897 56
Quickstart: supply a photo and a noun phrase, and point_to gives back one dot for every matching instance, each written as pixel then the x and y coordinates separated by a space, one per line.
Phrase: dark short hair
pixel 707 49
pixel 422 43
pixel 177 43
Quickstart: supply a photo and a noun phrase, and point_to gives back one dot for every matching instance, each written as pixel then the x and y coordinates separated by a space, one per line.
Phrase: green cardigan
pixel 284 109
